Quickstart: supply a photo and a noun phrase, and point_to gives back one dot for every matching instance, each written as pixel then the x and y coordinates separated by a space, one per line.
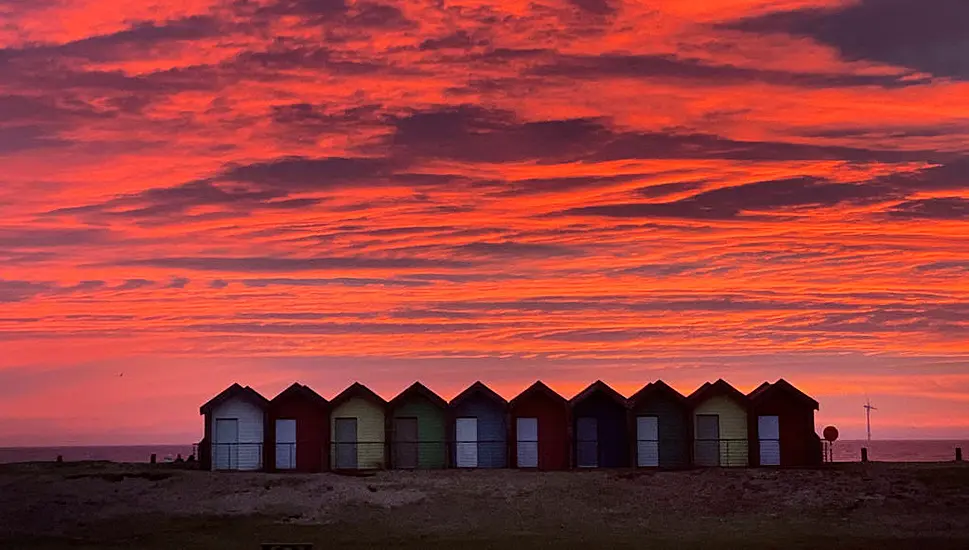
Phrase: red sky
pixel 199 192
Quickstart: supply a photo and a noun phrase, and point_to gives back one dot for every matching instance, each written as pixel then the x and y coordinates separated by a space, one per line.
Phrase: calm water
pixel 844 451
pixel 900 451
pixel 134 453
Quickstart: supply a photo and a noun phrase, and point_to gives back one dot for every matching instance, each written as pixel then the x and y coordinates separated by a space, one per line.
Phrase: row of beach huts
pixel 716 425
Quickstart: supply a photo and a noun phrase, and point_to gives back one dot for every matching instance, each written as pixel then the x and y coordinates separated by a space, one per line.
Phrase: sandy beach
pixel 103 505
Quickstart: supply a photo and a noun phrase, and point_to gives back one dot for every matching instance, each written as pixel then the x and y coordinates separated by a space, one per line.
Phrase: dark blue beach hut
pixel 599 417
pixel 480 429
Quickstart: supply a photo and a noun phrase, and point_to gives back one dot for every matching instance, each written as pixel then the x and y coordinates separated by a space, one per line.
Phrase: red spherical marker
pixel 830 434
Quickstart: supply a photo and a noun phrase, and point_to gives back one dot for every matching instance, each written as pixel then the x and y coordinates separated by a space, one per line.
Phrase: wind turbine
pixel 868 409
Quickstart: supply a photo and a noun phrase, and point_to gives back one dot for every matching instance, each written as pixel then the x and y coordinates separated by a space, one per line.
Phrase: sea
pixel 116 453
pixel 843 451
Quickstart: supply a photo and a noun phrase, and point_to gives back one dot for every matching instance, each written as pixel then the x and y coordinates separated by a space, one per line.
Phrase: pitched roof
pixel 357 390
pixel 538 387
pixel 234 391
pixel 598 387
pixel 718 388
pixel 418 389
pixel 478 388
pixel 298 390
pixel 765 390
pixel 653 389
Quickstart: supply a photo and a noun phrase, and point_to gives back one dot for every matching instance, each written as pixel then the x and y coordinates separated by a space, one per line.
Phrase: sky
pixel 201 192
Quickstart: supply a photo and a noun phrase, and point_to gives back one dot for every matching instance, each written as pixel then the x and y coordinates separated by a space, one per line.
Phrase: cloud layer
pixel 290 189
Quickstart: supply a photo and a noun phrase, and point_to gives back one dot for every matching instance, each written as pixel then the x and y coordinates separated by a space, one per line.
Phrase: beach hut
pixel 540 429
pixel 357 428
pixel 417 424
pixel 660 425
pixel 234 429
pixel 480 428
pixel 720 436
pixel 297 431
pixel 599 417
pixel 782 426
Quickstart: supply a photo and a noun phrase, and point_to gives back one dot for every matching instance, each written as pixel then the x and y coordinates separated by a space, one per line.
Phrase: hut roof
pixel 234 391
pixel 718 388
pixel 654 389
pixel 478 388
pixel 538 388
pixel 599 387
pixel 418 389
pixel 766 390
pixel 357 390
pixel 298 390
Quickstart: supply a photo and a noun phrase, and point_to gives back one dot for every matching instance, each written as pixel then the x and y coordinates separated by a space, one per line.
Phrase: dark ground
pixel 106 506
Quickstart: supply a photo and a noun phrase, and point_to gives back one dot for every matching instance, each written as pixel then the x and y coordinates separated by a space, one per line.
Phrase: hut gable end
pixel 478 389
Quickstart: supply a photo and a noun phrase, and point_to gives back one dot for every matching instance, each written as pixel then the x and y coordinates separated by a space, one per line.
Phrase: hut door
pixel 587 442
pixel 527 442
pixel 345 439
pixel 769 432
pixel 647 441
pixel 226 453
pixel 285 444
pixel 707 440
pixel 466 430
pixel 405 443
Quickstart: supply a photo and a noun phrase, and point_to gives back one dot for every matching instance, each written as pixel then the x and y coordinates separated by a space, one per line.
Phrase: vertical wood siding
pixel 492 430
pixel 554 439
pixel 800 445
pixel 431 431
pixel 612 446
pixel 371 431
pixel 674 430
pixel 312 432
pixel 251 433
pixel 734 437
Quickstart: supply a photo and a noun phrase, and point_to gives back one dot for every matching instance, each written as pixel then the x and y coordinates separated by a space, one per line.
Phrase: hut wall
pixel 612 437
pixel 800 445
pixel 371 431
pixel 674 430
pixel 431 431
pixel 553 430
pixel 312 433
pixel 492 430
pixel 734 438
pixel 245 452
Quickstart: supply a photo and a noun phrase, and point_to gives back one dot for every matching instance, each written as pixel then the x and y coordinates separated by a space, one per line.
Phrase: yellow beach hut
pixel 358 428
pixel 719 414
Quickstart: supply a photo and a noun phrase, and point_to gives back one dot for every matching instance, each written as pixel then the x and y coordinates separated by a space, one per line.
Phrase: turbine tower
pixel 868 409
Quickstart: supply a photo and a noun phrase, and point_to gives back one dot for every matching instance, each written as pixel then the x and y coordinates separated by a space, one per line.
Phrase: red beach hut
pixel 781 426
pixel 297 431
pixel 540 434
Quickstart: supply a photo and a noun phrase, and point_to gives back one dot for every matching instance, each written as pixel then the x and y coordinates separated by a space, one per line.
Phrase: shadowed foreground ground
pixel 100 505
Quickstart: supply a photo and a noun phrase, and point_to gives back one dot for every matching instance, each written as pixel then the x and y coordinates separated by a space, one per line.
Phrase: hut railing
pixel 666 452
pixel 236 456
pixel 412 455
pixel 482 453
pixel 358 455
pixel 721 452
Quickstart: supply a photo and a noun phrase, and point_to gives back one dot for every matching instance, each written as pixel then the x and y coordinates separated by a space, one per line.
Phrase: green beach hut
pixel 417 429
